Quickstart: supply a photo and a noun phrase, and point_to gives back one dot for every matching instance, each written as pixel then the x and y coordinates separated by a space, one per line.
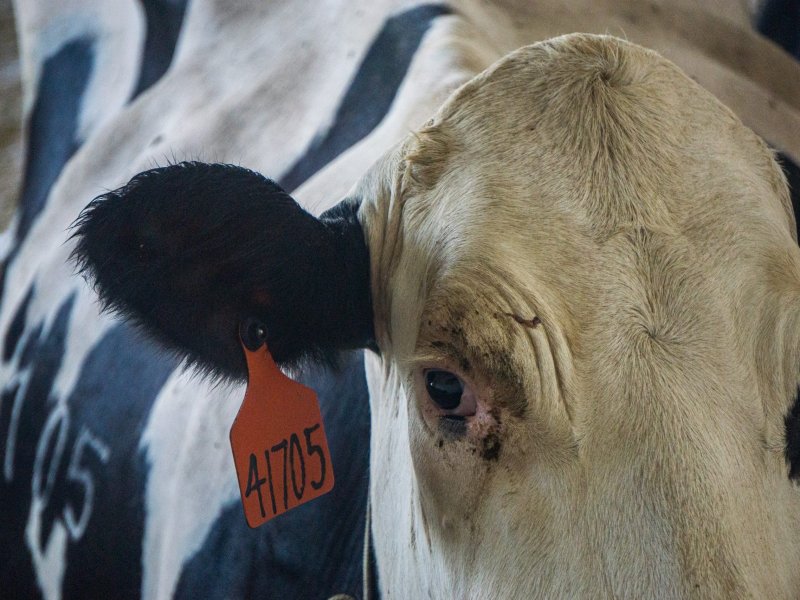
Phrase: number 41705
pixel 282 466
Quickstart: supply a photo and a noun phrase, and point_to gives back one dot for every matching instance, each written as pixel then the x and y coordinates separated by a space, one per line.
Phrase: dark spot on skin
pixel 157 140
pixel 491 447
pixel 440 443
pixel 453 426
pixel 481 356
pixel 464 364
pixel 532 323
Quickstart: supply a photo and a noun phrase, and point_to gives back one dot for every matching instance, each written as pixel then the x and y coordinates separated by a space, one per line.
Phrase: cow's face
pixel 579 284
pixel 576 269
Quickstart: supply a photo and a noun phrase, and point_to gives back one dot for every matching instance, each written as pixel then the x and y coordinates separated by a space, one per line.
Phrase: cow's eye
pixel 444 388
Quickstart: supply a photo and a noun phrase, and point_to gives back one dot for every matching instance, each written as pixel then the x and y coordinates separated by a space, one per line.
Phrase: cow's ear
pixel 192 250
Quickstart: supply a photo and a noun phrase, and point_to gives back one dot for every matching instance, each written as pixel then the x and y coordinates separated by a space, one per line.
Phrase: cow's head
pixel 581 288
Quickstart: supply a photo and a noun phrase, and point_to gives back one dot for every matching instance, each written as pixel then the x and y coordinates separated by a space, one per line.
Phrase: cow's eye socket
pixel 444 388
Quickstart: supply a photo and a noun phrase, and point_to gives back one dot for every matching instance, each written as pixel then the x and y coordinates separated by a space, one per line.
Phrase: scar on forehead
pixel 531 323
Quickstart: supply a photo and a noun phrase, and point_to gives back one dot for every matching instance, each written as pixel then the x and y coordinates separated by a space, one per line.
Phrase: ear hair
pixel 188 251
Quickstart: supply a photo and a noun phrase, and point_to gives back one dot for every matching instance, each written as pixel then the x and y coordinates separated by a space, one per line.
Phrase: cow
pixel 572 287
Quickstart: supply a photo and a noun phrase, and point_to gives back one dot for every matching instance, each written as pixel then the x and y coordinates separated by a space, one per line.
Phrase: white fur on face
pixel 605 252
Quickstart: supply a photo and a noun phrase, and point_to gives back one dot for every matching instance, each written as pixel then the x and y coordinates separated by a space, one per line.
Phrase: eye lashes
pixel 453 426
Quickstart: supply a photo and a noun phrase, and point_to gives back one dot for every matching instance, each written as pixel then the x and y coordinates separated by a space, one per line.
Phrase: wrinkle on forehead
pixel 534 166
pixel 576 139
pixel 467 328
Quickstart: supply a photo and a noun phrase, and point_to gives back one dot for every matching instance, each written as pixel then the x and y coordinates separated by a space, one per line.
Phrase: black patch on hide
pixel 164 19
pixel 3 268
pixel 112 399
pixel 53 127
pixel 779 20
pixel 372 91
pixel 109 404
pixel 17 326
pixel 190 250
pixel 42 353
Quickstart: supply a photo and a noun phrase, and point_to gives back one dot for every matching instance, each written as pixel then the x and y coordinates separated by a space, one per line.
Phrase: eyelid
pixel 429 359
pixel 425 361
pixel 468 406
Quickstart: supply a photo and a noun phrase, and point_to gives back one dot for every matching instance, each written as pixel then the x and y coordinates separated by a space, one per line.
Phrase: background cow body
pixel 116 466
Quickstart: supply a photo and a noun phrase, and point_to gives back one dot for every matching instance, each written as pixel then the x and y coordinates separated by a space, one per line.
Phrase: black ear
pixel 190 251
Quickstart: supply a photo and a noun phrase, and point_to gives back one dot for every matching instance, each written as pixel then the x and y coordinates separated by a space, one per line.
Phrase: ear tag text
pixel 278 441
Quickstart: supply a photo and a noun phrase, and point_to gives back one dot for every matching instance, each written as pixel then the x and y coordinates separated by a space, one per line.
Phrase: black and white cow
pixel 117 474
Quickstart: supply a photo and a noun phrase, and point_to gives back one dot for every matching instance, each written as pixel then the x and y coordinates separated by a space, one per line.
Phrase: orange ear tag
pixel 278 442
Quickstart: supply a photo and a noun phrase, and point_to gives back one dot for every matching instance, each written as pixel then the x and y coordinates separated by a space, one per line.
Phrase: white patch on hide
pixel 49 563
pixel 192 477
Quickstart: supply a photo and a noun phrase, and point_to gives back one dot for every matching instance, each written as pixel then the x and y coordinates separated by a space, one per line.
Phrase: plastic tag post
pixel 278 441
